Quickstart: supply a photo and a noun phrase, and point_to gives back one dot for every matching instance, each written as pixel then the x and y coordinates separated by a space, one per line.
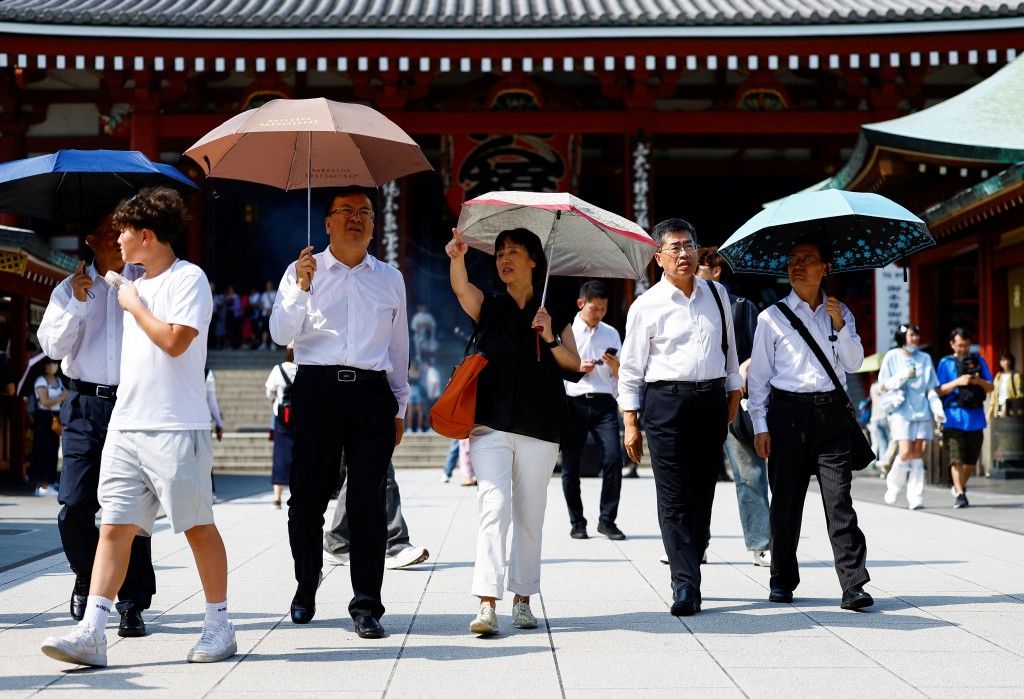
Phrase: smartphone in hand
pixel 612 351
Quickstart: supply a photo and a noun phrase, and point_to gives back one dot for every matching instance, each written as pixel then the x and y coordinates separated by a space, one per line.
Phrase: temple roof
pixel 985 123
pixel 479 14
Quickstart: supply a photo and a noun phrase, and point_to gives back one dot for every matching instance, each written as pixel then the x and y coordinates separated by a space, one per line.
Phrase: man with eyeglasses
pixel 800 423
pixel 351 344
pixel 680 353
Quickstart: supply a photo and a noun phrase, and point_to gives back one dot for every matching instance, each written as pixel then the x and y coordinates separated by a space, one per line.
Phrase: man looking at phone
pixel 593 410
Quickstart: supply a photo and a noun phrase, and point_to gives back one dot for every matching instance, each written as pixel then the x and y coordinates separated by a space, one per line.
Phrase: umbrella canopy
pixel 865 231
pixel 873 362
pixel 580 240
pixel 71 185
pixel 297 144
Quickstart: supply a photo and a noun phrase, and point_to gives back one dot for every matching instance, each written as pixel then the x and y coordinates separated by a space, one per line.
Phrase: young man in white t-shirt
pixel 158 450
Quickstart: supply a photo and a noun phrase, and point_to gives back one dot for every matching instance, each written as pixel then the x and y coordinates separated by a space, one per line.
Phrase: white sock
pixel 97 611
pixel 217 611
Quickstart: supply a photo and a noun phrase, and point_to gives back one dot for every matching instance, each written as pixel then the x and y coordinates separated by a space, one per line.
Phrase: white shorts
pixel 902 429
pixel 140 471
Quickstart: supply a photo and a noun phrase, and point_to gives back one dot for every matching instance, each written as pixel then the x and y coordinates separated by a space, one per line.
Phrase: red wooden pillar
pixel 12 147
pixel 145 135
pixel 993 311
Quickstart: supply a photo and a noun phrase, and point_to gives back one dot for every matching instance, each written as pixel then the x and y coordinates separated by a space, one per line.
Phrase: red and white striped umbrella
pixel 579 239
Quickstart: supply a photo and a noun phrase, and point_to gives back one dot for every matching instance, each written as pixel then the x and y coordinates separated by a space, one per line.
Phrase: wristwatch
pixel 554 343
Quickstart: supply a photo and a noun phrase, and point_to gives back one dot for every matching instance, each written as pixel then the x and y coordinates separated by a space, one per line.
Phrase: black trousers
pixel 685 435
pixel 598 416
pixel 85 421
pixel 811 440
pixel 332 419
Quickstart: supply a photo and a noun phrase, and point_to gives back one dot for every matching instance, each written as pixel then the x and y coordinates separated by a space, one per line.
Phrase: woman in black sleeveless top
pixel 521 408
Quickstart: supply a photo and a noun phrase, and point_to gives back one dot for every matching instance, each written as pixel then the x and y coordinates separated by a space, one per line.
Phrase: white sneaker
pixel 216 643
pixel 336 559
pixel 445 479
pixel 83 646
pixel 763 559
pixel 664 558
pixel 891 496
pixel 47 492
pixel 916 505
pixel 486 622
pixel 522 617
pixel 409 556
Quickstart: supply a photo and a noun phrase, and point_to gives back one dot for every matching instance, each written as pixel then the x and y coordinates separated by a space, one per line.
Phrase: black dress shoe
pixel 780 595
pixel 856 598
pixel 132 625
pixel 79 598
pixel 368 627
pixel 579 531
pixel 687 602
pixel 610 530
pixel 303 607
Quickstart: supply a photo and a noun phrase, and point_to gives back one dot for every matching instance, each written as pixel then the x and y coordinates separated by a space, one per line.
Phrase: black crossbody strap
pixel 815 347
pixel 478 333
pixel 284 375
pixel 721 312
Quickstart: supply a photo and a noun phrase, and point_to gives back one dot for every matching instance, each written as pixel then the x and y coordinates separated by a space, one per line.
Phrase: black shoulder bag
pixel 861 453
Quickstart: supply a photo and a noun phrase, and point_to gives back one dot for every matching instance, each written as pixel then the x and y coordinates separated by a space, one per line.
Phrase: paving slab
pixel 947 619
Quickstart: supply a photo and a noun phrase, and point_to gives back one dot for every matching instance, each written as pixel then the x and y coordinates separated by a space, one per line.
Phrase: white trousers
pixel 906 475
pixel 513 473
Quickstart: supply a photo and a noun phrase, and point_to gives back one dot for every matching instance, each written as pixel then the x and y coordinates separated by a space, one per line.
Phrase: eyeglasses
pixel 802 260
pixel 349 212
pixel 678 248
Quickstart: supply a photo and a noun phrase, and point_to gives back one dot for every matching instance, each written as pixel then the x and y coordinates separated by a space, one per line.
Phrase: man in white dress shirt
pixel 345 312
pixel 82 327
pixel 800 423
pixel 680 352
pixel 593 410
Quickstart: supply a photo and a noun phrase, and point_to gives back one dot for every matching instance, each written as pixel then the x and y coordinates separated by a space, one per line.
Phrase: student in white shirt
pixel 680 347
pixel 82 327
pixel 593 410
pixel 345 312
pixel 158 451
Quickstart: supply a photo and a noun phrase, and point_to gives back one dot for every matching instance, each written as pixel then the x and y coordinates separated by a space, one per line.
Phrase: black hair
pixel 594 289
pixel 710 257
pixel 1007 354
pixel 529 240
pixel 961 332
pixel 160 209
pixel 824 249
pixel 673 225
pixel 370 194
pixel 900 336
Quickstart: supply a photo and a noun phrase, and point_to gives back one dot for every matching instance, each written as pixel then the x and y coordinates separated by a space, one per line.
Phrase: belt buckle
pixel 346 375
pixel 702 386
pixel 107 392
pixel 822 400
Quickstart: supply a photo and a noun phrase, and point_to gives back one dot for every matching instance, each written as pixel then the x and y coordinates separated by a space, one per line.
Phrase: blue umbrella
pixel 71 185
pixel 865 231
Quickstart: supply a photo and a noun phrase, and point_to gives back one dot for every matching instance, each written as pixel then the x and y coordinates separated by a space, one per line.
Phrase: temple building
pixel 703 109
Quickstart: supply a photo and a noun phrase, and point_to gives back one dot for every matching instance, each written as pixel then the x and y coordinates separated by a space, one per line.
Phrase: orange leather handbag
pixel 454 413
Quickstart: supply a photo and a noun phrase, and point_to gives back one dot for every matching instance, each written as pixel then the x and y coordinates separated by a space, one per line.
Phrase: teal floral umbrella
pixel 864 231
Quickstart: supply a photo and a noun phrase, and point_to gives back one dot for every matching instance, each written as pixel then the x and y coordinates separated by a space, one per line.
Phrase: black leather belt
pixel 696 386
pixel 823 398
pixel 93 389
pixel 344 374
pixel 592 396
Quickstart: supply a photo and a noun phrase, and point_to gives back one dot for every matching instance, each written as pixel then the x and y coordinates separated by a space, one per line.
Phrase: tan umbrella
pixel 296 144
pixel 872 362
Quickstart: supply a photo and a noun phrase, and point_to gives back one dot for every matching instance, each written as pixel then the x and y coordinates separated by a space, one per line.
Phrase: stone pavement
pixel 947 619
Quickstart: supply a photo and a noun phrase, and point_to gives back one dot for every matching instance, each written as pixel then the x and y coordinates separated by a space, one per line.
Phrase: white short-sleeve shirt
pixel 157 391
